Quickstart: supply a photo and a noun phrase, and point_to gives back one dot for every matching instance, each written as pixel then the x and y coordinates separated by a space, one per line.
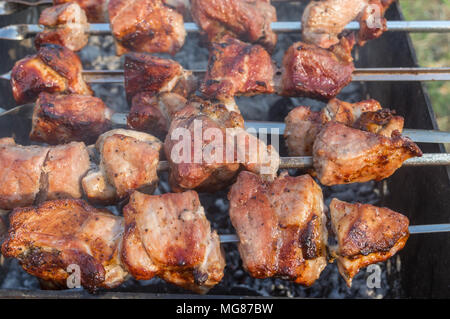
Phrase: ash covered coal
pixel 100 54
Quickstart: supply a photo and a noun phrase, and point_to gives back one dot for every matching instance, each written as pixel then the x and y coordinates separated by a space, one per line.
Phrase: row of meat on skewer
pixel 283 226
pixel 156 26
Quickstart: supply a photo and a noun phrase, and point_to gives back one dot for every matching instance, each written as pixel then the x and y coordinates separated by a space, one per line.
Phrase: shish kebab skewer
pixel 120 119
pixel 428 159
pixel 361 74
pixel 22 31
pixel 413 230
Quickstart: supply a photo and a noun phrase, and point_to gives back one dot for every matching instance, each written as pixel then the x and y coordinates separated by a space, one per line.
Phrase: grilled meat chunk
pixel 61 118
pixel 128 161
pixel 248 20
pixel 96 10
pixel 281 226
pixel 54 238
pixel 64 168
pixel 365 235
pixel 206 146
pixel 303 125
pixel 345 155
pixel 30 174
pixel 145 73
pixel 237 68
pixel 169 236
pixel 53 69
pixel 324 21
pixel 314 72
pixel 20 173
pixel 66 25
pixel 146 26
pixel 383 122
pixel 153 113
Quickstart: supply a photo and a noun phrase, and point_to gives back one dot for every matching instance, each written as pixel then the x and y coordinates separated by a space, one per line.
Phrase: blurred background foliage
pixel 433 50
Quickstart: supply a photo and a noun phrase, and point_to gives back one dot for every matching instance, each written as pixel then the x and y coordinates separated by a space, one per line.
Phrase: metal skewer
pixel 428 159
pixel 22 31
pixel 413 230
pixel 361 74
pixel 120 119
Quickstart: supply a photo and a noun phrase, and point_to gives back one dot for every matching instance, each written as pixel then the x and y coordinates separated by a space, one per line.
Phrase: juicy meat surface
pixel 207 145
pixel 311 71
pixel 281 226
pixel 237 68
pixel 50 238
pixel 153 113
pixel 146 26
pixel 128 161
pixel 153 75
pixel 169 236
pixel 343 155
pixel 53 69
pixel 247 20
pixel 20 173
pixel 324 21
pixel 30 174
pixel 365 235
pixel 303 125
pixel 63 118
pixel 65 166
pixel 66 25
pixel 96 10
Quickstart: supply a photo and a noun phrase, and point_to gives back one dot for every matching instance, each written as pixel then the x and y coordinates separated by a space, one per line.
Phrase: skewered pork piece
pixel 281 226
pixel 365 235
pixel 153 113
pixel 66 25
pixel 31 174
pixel 128 161
pixel 248 20
pixel 146 26
pixel 311 71
pixel 156 88
pixel 323 21
pixel 343 154
pixel 96 10
pixel 63 118
pixel 53 69
pixel 303 125
pixel 169 236
pixel 237 68
pixel 57 237
pixel 150 74
pixel 207 145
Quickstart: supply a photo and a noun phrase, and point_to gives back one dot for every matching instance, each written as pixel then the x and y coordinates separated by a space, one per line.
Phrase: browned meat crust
pixel 365 235
pixel 281 226
pixel 237 68
pixel 169 236
pixel 314 72
pixel 248 20
pixel 53 69
pixel 61 118
pixel 49 238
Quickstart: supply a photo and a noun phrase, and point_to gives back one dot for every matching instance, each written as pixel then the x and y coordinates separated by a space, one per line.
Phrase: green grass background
pixel 433 50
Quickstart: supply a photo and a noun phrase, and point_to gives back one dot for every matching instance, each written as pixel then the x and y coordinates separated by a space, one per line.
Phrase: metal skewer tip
pixel 413 230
